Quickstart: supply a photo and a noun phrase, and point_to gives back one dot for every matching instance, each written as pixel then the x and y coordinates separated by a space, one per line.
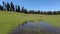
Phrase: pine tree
pixel 18 9
pixel 12 7
pixel 8 7
pixel 4 6
pixel 1 7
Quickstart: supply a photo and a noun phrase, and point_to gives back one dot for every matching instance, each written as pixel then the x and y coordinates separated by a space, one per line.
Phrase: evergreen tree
pixel 18 10
pixel 38 11
pixel 49 12
pixel 54 13
pixel 12 7
pixel 4 5
pixel 1 7
pixel 25 11
pixel 22 9
pixel 8 7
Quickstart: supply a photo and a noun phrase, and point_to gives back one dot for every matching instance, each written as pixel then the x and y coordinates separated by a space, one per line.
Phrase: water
pixel 36 28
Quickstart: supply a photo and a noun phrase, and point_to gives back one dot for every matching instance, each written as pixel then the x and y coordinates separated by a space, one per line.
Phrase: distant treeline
pixel 16 8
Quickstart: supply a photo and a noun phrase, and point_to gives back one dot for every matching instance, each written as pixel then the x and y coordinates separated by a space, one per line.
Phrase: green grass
pixel 10 20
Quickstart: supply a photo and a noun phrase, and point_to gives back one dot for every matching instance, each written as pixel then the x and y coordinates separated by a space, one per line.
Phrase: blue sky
pixel 44 5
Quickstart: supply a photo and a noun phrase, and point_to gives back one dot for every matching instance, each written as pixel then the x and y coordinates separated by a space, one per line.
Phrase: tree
pixel 38 11
pixel 12 7
pixel 18 10
pixel 58 12
pixel 4 5
pixel 41 12
pixel 32 12
pixel 1 7
pixel 45 12
pixel 54 13
pixel 22 9
pixel 25 11
pixel 49 12
pixel 8 7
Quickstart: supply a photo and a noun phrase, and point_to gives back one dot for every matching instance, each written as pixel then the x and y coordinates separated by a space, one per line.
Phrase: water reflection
pixel 36 28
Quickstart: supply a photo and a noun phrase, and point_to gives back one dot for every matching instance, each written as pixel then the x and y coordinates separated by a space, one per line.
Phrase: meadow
pixel 10 20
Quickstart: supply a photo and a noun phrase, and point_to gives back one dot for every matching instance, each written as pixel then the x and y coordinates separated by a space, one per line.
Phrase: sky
pixel 45 5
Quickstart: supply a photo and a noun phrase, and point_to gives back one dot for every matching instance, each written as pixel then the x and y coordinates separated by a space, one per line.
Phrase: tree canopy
pixel 11 7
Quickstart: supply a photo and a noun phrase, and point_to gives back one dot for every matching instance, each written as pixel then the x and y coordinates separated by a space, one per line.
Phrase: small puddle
pixel 36 28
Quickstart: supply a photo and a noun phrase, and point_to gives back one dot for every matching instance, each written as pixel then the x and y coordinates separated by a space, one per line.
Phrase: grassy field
pixel 10 20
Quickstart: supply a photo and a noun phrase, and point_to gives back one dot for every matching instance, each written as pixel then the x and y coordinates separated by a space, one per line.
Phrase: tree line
pixel 17 8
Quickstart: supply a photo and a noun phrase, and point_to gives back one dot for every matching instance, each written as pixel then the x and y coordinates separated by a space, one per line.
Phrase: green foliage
pixel 8 7
pixel 12 7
